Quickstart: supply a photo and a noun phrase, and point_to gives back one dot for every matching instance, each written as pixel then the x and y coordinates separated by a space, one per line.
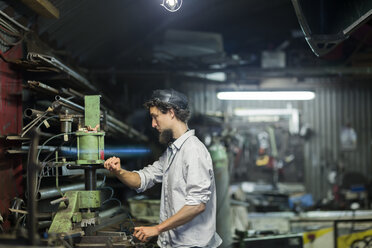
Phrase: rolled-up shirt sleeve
pixel 151 174
pixel 199 177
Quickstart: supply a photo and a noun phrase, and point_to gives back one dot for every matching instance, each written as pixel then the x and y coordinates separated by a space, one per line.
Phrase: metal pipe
pixel 69 103
pixel 37 84
pixel 14 21
pixel 32 113
pixel 44 224
pixel 51 192
pixel 111 121
pixel 58 64
pixel 110 212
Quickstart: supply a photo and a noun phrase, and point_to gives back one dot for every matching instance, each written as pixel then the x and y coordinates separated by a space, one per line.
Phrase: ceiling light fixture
pixel 172 5
pixel 266 95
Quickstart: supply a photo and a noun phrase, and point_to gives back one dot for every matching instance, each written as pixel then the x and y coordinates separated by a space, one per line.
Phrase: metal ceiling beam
pixel 43 8
pixel 257 72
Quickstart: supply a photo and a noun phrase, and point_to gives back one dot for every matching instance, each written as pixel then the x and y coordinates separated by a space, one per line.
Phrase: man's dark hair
pixel 181 114
pixel 168 99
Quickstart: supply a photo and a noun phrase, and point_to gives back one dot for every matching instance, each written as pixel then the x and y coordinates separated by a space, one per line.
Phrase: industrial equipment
pixel 78 209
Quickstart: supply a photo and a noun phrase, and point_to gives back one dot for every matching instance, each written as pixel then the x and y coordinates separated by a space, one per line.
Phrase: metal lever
pixel 59 200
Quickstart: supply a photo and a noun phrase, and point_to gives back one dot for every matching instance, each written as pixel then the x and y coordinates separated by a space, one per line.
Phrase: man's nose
pixel 153 123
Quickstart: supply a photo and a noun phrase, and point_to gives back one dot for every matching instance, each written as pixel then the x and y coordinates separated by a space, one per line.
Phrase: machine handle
pixel 59 200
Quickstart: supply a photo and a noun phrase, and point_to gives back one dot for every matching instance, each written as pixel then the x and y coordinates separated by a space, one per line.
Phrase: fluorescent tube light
pixel 266 95
pixel 264 112
pixel 268 114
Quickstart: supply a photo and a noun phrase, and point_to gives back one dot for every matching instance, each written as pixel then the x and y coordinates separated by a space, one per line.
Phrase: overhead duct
pixel 326 23
pixel 207 47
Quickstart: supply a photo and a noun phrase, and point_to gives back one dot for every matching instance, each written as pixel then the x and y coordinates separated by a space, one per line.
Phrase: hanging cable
pixel 51 138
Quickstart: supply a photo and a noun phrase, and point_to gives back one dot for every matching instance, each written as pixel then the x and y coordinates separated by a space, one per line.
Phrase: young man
pixel 188 197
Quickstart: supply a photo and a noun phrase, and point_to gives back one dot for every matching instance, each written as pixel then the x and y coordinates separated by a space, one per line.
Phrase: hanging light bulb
pixel 172 5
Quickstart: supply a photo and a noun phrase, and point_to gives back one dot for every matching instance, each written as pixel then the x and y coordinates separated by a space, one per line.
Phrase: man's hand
pixel 113 164
pixel 93 129
pixel 144 233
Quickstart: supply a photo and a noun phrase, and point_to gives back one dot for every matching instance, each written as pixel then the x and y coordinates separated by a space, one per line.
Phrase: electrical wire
pixel 41 174
pixel 51 138
pixel 54 116
pixel 32 123
pixel 112 199
pixel 103 182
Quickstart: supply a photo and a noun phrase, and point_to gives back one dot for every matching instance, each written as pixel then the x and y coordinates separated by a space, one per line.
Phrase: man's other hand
pixel 113 164
pixel 144 233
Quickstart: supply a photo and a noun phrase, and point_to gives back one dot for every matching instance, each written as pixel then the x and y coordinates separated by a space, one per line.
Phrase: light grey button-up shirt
pixel 186 171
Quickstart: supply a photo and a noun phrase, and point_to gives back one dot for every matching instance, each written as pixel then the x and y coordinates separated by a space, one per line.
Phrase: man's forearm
pixel 131 179
pixel 184 215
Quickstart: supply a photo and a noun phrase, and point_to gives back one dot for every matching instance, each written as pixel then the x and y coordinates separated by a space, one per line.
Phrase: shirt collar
pixel 179 142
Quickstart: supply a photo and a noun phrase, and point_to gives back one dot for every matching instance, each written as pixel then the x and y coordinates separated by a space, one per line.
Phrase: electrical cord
pixel 50 117
pixel 28 127
pixel 112 199
pixel 51 138
pixel 41 175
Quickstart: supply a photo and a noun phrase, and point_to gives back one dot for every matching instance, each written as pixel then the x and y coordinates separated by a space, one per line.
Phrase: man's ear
pixel 171 111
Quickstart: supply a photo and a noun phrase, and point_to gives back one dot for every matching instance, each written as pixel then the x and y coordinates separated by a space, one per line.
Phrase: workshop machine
pixel 78 209
pixel 77 221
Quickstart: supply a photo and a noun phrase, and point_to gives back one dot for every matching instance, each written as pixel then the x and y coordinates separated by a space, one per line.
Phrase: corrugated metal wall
pixel 332 109
pixel 335 105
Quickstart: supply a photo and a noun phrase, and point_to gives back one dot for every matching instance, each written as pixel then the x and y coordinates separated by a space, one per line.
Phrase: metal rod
pixel 90 177
pixel 14 21
pixel 32 170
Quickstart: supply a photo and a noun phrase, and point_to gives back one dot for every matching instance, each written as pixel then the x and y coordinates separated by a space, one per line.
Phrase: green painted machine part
pixel 90 145
pixel 90 148
pixel 92 112
pixel 68 216
pixel 82 205
pixel 89 199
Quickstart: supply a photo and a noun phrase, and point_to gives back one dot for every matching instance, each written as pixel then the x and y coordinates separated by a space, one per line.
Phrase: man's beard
pixel 166 136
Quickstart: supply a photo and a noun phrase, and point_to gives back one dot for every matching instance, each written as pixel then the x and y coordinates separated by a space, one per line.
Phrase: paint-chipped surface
pixel 10 124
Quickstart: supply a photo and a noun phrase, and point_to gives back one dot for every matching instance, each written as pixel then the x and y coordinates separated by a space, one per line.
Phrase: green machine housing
pixel 81 206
